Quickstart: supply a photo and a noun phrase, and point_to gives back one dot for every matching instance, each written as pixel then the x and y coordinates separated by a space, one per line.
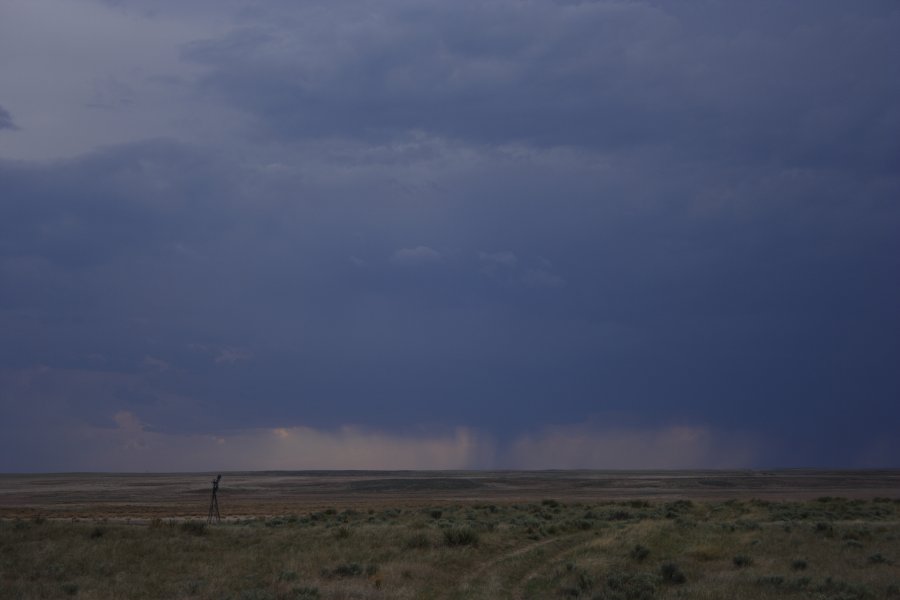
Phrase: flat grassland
pixel 371 535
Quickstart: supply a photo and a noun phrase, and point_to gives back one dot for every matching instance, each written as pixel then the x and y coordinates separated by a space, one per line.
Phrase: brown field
pixel 823 535
pixel 276 493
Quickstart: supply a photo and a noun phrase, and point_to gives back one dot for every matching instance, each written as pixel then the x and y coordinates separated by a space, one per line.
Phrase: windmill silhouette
pixel 214 502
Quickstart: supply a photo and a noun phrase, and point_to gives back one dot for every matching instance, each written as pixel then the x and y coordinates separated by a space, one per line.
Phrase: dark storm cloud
pixel 109 206
pixel 730 83
pixel 6 120
pixel 510 233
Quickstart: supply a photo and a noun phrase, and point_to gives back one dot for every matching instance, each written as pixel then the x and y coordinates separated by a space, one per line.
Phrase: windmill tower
pixel 214 502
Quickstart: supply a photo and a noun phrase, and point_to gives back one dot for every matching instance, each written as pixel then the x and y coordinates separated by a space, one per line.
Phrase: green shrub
pixel 344 570
pixel 639 553
pixel 256 594
pixel 305 593
pixel 632 586
pixel 801 583
pixel 584 583
pixel 97 532
pixel 799 565
pixel 747 525
pixel 418 541
pixel 671 573
pixel 69 589
pixel 461 536
pixel 742 560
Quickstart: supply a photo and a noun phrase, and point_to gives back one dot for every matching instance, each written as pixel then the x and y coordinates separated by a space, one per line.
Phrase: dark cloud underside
pixel 6 121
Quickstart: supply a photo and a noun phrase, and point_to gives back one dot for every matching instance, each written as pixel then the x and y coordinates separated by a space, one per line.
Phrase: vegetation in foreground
pixel 832 549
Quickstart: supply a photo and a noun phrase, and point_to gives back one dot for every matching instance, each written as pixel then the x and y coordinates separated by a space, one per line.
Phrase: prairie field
pixel 366 535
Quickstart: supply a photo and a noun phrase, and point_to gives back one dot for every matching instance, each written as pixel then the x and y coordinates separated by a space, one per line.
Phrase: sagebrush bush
pixel 461 536
pixel 418 541
pixel 742 560
pixel 343 532
pixel 304 593
pixel 672 573
pixel 639 553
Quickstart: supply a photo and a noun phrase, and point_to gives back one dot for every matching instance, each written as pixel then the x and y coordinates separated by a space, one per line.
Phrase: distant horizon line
pixel 756 470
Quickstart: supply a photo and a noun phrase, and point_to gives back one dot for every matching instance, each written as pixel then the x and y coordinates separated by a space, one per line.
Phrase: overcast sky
pixel 240 234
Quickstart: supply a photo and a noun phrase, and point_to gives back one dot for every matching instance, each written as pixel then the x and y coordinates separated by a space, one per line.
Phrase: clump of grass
pixel 418 541
pixel 742 560
pixel 579 582
pixel 877 559
pixel 461 536
pixel 584 583
pixel 256 594
pixel 799 565
pixel 801 583
pixel 304 593
pixel 343 532
pixel 97 532
pixel 436 514
pixel 672 573
pixel 770 580
pixel 640 586
pixel 639 552
pixel 825 528
pixel 194 527
pixel 844 590
pixel 747 525
pixel 69 589
pixel 351 569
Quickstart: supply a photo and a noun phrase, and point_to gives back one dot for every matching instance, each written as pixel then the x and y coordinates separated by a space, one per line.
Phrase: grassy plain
pixel 453 536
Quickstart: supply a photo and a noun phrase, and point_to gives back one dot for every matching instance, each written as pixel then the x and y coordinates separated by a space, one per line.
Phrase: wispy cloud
pixel 415 257
pixel 494 262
